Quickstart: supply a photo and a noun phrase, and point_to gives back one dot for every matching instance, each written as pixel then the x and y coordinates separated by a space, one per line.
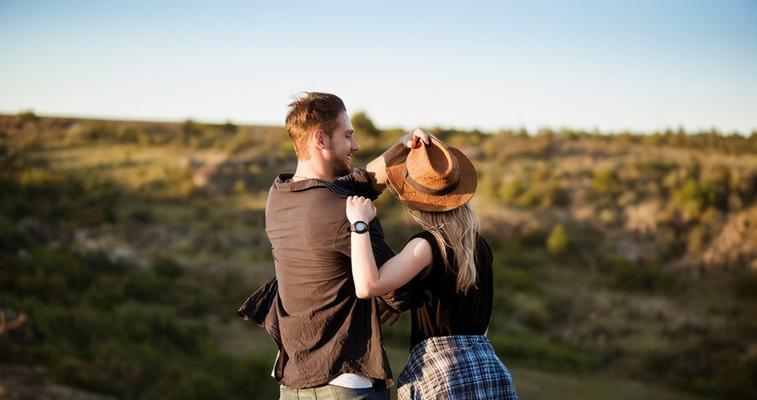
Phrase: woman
pixel 451 269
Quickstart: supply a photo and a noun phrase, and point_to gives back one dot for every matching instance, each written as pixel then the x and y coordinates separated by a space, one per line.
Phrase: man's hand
pixel 360 209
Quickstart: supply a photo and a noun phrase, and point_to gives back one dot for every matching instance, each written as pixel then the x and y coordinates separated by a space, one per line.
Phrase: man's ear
pixel 322 139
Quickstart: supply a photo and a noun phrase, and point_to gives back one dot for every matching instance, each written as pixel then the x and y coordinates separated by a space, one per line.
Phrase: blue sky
pixel 612 65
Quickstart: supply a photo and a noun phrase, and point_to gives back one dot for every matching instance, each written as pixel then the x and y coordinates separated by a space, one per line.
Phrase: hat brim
pixel 435 203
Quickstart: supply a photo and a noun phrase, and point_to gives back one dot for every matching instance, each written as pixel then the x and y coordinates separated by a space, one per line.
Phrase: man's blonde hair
pixel 308 113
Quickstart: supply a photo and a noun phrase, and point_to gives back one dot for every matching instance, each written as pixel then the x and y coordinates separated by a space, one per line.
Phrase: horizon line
pixel 531 132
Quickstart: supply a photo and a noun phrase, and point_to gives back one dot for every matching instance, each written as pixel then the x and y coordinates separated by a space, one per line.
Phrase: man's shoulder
pixel 327 205
pixel 319 202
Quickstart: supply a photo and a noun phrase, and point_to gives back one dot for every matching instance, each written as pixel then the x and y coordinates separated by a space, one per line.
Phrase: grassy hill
pixel 625 265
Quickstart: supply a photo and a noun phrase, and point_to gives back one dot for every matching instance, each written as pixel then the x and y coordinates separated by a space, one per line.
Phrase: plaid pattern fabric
pixel 455 367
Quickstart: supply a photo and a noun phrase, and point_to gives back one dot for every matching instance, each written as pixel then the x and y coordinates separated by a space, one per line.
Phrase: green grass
pixel 544 385
pixel 586 308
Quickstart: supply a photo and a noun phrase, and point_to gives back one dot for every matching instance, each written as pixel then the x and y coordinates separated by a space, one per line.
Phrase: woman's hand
pixel 360 209
pixel 413 139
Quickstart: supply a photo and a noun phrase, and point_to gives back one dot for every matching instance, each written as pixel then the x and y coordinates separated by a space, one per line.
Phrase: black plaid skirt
pixel 455 367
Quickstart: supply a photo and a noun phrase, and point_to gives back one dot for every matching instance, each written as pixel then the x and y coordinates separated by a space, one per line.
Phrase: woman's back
pixel 443 311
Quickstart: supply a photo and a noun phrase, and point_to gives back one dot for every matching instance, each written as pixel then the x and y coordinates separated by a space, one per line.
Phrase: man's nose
pixel 355 146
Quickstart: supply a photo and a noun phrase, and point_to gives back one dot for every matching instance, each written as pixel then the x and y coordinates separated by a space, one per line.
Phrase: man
pixel 329 340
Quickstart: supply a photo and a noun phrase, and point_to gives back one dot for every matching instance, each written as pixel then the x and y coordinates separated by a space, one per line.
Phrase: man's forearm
pixel 377 168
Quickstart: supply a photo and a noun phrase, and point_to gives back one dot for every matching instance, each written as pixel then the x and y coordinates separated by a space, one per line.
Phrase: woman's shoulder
pixel 483 251
pixel 424 235
pixel 422 246
pixel 433 242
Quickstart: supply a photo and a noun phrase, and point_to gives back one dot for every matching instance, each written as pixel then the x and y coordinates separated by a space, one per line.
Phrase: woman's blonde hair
pixel 458 230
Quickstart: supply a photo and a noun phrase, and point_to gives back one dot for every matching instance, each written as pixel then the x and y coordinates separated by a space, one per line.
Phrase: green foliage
pixel 514 279
pixel 363 125
pixel 28 116
pixel 145 331
pixel 140 215
pixel 714 365
pixel 531 311
pixel 745 284
pixel 545 354
pixel 649 277
pixel 12 239
pixel 54 196
pixel 511 191
pixel 116 329
pixel 689 198
pixel 191 132
pixel 544 194
pixel 558 240
pixel 229 128
pixel 605 182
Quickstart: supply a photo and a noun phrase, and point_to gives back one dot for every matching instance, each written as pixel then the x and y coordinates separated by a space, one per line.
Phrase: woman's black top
pixel 442 311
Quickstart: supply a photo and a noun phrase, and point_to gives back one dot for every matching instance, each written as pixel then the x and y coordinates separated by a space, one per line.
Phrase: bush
pixel 558 240
pixel 544 194
pixel 745 284
pixel 606 183
pixel 514 279
pixel 140 215
pixel 531 311
pixel 28 116
pixel 117 329
pixel 364 125
pixel 167 268
pixel 712 366
pixel 510 191
pixel 543 354
pixel 626 276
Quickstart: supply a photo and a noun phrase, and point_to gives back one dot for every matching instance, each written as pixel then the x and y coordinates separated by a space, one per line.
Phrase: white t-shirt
pixel 352 381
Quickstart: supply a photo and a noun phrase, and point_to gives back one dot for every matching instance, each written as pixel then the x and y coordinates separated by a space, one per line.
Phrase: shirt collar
pixel 284 183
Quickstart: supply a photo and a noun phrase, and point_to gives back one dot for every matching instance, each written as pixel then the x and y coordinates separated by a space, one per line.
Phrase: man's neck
pixel 306 171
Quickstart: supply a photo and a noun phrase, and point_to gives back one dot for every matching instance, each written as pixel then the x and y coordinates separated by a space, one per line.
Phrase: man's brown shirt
pixel 324 329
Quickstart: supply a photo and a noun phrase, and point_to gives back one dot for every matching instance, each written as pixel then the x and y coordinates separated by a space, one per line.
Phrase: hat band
pixel 437 192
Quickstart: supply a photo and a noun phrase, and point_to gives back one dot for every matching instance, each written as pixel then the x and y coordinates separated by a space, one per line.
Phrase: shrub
pixel 558 240
pixel 140 215
pixel 626 276
pixel 531 311
pixel 605 182
pixel 167 268
pixel 689 198
pixel 745 284
pixel 543 193
pixel 543 354
pixel 510 191
pixel 514 279
pixel 364 125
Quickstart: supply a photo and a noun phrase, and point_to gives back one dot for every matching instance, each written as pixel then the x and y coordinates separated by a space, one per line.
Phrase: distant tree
pixel 229 127
pixel 547 132
pixel 190 132
pixel 558 240
pixel 606 182
pixel 28 116
pixel 511 190
pixel 363 124
pixel 689 198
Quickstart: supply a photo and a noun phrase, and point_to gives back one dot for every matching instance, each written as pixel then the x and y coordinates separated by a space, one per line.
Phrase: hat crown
pixel 432 167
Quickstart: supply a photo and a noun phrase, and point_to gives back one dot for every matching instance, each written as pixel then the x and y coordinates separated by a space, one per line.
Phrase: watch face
pixel 361 226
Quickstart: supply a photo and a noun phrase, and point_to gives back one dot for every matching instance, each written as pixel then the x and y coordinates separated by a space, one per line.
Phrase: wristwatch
pixel 359 227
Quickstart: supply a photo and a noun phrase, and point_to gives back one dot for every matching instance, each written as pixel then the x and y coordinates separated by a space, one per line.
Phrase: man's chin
pixel 343 170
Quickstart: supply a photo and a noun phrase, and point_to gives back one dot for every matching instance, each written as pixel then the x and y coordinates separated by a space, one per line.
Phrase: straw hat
pixel 433 177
